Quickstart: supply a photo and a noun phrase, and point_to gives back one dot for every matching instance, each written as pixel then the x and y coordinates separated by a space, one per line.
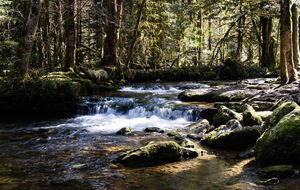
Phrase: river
pixel 79 152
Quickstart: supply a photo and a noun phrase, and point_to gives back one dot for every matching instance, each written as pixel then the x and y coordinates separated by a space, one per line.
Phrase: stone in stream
pixel 154 129
pixel 280 144
pixel 231 136
pixel 276 171
pixel 221 93
pixel 125 131
pixel 250 117
pixel 152 154
pixel 201 126
pixel 224 115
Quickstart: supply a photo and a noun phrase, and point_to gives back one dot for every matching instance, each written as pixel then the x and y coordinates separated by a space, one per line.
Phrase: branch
pixel 219 43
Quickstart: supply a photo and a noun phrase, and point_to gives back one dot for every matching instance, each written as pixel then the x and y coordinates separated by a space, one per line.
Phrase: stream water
pixel 79 152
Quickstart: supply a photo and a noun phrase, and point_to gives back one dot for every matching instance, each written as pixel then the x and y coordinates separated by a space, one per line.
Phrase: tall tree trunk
pixel 114 13
pixel 26 42
pixel 70 33
pixel 57 35
pixel 295 16
pixel 79 54
pixel 289 47
pixel 135 33
pixel 268 56
pixel 287 69
pixel 209 34
pixel 199 25
pixel 240 39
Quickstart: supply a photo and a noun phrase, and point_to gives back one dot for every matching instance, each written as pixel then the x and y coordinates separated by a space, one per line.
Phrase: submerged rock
pixel 152 154
pixel 224 115
pixel 250 117
pixel 276 171
pixel 231 136
pixel 280 144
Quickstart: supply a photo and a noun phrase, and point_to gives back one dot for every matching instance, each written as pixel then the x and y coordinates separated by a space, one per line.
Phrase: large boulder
pixel 280 144
pixel 250 117
pixel 281 111
pixel 224 115
pixel 232 136
pixel 152 154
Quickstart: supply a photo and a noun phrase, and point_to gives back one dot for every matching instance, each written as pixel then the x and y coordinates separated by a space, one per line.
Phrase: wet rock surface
pixel 231 136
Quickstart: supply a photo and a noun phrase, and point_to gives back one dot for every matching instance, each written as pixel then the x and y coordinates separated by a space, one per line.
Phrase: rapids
pixel 79 152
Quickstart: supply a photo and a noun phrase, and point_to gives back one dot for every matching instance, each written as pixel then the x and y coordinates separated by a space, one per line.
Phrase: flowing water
pixel 79 152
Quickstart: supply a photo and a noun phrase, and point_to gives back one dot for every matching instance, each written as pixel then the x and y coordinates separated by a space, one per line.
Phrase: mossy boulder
pixel 250 117
pixel 280 144
pixel 276 171
pixel 152 154
pixel 173 133
pixel 97 75
pixel 224 115
pixel 186 143
pixel 154 129
pixel 125 131
pixel 201 126
pixel 281 111
pixel 231 136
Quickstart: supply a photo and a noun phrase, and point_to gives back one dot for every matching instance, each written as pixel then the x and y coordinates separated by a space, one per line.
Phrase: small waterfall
pixel 128 108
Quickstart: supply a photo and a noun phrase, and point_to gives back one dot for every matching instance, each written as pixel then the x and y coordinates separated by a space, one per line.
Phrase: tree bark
pixel 295 16
pixel 268 56
pixel 289 47
pixel 28 36
pixel 287 71
pixel 114 13
pixel 199 25
pixel 70 29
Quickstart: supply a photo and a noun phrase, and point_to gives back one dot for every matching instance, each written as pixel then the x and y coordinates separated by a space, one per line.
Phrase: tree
pixel 113 22
pixel 70 30
pixel 287 70
pixel 268 56
pixel 28 36
pixel 295 17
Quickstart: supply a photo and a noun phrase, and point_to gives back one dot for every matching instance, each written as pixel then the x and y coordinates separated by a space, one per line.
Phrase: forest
pixel 149 94
pixel 138 41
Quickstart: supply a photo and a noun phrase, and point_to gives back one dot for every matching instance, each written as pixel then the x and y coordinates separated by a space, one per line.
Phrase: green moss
pixel 250 117
pixel 281 111
pixel 276 171
pixel 279 145
pixel 153 153
pixel 124 131
pixel 224 115
pixel 24 138
pixel 238 139
pixel 172 133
